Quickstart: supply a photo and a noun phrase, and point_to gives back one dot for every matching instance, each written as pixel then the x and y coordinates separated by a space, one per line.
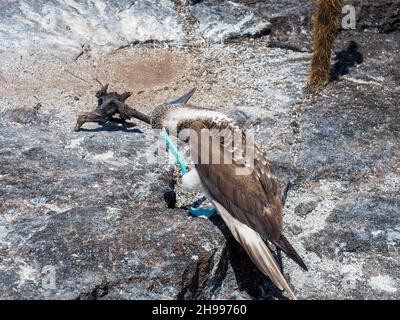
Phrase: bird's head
pixel 160 112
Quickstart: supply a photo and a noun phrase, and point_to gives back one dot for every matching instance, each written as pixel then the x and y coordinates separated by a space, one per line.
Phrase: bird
pixel 249 202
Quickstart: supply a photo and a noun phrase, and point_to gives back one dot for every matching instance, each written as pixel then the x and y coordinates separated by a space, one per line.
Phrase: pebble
pixel 296 229
pixel 305 208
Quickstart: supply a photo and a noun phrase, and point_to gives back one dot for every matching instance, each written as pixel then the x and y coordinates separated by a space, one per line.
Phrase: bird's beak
pixel 184 99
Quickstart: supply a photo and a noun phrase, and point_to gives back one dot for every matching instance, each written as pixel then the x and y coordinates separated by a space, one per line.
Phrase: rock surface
pixel 72 27
pixel 87 210
pixel 228 20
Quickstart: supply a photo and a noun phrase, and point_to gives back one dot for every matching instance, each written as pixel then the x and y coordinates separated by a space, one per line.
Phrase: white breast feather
pixel 191 181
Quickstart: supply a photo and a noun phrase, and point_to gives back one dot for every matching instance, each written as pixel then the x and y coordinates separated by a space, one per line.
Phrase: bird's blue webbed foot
pixel 196 211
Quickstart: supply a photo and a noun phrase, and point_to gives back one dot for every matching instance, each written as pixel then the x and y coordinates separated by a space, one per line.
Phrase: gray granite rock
pixel 70 28
pixel 222 21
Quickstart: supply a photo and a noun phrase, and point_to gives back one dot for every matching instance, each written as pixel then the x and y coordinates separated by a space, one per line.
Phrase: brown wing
pixel 253 199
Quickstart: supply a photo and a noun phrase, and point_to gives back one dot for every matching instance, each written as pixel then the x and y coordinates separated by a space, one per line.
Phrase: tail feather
pixel 256 249
pixel 284 245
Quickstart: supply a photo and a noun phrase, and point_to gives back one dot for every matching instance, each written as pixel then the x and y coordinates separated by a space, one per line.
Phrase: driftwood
pixel 110 105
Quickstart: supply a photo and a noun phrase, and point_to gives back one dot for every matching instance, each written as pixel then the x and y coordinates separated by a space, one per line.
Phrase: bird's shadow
pixel 113 127
pixel 345 60
pixel 248 278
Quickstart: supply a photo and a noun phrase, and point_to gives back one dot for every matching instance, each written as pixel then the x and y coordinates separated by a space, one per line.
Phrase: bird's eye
pixel 100 101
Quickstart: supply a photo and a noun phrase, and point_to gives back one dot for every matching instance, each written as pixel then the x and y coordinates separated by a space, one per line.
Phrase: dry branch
pixel 111 107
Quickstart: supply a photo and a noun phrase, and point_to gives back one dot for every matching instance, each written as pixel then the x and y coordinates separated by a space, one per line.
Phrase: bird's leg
pixel 202 212
pixel 199 202
pixel 196 211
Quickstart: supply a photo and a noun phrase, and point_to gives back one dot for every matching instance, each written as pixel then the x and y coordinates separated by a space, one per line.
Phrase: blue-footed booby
pixel 249 203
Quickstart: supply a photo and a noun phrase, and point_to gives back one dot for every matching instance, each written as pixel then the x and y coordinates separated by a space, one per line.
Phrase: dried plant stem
pixel 111 104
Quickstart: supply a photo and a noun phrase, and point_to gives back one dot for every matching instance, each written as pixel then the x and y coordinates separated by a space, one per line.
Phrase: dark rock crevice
pixel 196 277
pixel 97 293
